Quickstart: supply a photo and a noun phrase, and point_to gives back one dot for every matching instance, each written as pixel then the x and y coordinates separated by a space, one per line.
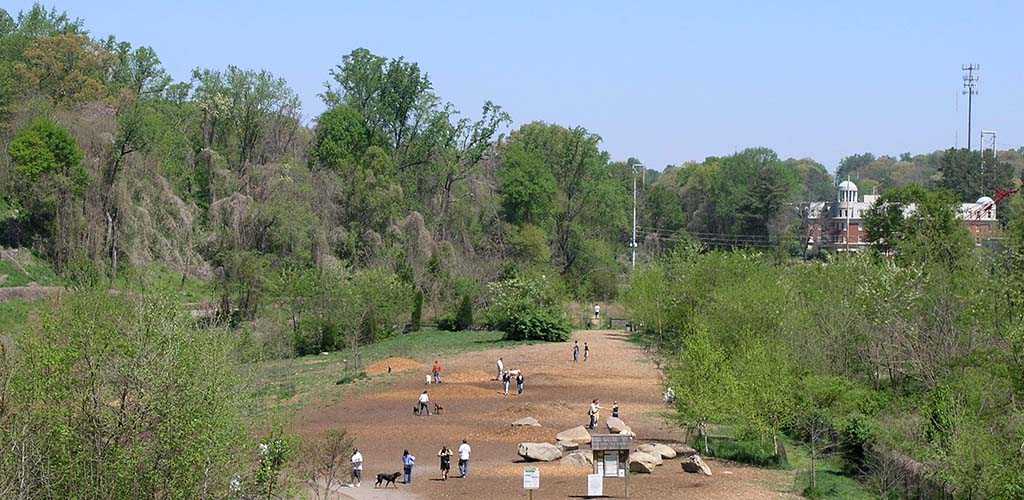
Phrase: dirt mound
pixel 396 364
pixel 467 376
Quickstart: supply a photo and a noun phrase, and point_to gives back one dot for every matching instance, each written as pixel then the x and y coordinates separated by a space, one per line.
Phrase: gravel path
pixel 557 393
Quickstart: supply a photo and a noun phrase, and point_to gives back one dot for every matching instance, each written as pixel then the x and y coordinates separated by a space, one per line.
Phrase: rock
pixel 567 445
pixel 543 452
pixel 579 459
pixel 656 456
pixel 576 434
pixel 658 449
pixel 683 450
pixel 642 462
pixel 526 422
pixel 626 431
pixel 616 425
pixel 694 464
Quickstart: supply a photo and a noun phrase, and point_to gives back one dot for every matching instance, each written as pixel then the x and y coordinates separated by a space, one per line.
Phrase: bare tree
pixel 324 461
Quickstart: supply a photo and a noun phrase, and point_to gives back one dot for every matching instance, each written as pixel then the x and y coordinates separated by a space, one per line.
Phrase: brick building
pixel 838 225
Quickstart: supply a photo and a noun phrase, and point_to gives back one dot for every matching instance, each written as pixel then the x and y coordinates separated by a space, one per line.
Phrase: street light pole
pixel 633 243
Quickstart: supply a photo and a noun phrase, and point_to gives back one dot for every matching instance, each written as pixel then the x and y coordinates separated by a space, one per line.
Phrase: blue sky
pixel 665 82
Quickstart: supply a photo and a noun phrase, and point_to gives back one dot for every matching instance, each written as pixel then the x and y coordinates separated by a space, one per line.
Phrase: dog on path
pixel 438 409
pixel 387 479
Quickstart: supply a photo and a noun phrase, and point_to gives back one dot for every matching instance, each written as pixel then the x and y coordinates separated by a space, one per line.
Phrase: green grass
pixel 166 282
pixel 290 384
pixel 751 452
pixel 833 483
pixel 15 314
pixel 37 273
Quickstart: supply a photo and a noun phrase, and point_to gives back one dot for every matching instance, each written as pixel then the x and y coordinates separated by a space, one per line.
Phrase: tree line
pixel 914 347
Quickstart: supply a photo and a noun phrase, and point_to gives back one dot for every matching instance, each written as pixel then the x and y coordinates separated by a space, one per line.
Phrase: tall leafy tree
pixel 394 97
pixel 50 163
pixel 971 174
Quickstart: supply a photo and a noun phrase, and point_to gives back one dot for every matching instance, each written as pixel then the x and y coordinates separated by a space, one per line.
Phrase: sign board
pixel 611 464
pixel 531 478
pixel 595 485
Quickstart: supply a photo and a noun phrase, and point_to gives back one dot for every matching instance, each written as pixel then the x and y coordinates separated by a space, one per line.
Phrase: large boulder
pixel 579 459
pixel 526 422
pixel 577 434
pixel 641 462
pixel 567 445
pixel 542 452
pixel 616 425
pixel 683 450
pixel 693 464
pixel 661 450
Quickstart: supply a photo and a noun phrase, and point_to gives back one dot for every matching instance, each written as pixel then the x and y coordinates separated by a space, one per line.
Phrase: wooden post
pixel 627 473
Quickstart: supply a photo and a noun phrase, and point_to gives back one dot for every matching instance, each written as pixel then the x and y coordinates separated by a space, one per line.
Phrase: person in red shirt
pixel 437 372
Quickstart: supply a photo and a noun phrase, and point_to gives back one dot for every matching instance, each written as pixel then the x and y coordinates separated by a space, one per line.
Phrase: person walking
pixel 595 413
pixel 501 369
pixel 586 351
pixel 357 468
pixel 519 383
pixel 615 409
pixel 408 460
pixel 576 351
pixel 597 311
pixel 437 372
pixel 424 403
pixel 446 462
pixel 464 450
pixel 506 378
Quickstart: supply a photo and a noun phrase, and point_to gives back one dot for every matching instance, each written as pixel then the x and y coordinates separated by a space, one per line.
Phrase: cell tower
pixel 970 82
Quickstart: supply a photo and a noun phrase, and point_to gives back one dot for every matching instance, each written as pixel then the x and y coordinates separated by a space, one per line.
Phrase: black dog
pixel 387 479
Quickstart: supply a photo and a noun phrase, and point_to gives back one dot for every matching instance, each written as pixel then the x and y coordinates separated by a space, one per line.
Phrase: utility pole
pixel 633 243
pixel 970 81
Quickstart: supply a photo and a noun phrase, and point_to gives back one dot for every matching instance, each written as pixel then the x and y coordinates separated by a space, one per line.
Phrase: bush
pixel 536 324
pixel 527 309
pixel 137 376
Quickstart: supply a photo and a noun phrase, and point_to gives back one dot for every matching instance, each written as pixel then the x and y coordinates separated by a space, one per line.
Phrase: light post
pixel 636 166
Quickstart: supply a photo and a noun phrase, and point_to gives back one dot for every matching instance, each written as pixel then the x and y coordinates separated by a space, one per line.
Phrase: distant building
pixel 838 225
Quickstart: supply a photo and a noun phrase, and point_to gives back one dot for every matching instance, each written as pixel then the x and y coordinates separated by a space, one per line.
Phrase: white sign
pixel 595 485
pixel 611 464
pixel 531 478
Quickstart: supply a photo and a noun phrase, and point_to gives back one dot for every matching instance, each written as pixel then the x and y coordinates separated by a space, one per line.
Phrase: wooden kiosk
pixel 611 455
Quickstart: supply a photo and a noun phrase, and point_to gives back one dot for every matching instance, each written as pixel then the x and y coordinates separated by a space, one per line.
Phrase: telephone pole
pixel 970 81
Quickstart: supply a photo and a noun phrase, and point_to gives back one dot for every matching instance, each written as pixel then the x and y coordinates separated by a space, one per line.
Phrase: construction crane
pixel 986 208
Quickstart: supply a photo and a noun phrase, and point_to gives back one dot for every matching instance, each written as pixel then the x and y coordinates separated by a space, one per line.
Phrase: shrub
pixel 137 376
pixel 527 309
pixel 417 311
pixel 536 324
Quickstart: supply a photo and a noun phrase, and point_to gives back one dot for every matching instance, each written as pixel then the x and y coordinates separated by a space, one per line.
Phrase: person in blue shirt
pixel 408 460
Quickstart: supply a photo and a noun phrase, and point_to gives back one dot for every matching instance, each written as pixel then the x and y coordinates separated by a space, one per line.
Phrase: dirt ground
pixel 557 393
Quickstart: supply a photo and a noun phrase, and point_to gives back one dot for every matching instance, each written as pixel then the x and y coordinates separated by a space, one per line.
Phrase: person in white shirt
pixel 357 468
pixel 595 412
pixel 424 403
pixel 501 369
pixel 597 311
pixel 464 450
